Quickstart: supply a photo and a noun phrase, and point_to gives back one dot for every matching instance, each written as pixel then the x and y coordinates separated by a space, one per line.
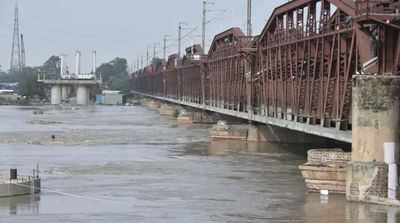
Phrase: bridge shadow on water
pixel 230 147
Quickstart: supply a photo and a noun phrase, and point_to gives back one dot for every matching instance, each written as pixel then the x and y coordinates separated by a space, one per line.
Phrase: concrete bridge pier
pixel 82 95
pixel 56 94
pixel 64 92
pixel 376 117
pixel 69 90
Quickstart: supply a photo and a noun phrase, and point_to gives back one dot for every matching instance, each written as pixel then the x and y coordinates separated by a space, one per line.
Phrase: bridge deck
pixel 332 133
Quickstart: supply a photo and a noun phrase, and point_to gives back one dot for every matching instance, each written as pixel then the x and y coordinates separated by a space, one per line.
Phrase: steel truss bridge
pixel 296 74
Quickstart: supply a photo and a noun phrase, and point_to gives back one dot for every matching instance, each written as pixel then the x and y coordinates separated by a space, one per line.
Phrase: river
pixel 129 164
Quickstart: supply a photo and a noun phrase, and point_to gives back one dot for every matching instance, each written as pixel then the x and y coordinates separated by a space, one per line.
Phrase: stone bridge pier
pixel 372 173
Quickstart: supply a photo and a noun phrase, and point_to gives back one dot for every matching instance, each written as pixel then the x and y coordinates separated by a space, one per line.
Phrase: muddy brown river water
pixel 129 164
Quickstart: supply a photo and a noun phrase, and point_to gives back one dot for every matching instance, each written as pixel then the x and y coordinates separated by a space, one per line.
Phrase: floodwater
pixel 129 164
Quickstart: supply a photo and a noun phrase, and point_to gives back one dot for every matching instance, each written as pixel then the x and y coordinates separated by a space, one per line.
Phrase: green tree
pixel 120 66
pixel 116 67
pixel 106 70
pixel 28 85
pixel 52 65
pixel 120 83
pixel 115 74
pixel 8 78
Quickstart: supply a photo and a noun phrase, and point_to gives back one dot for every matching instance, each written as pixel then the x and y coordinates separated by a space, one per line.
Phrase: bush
pixel 176 112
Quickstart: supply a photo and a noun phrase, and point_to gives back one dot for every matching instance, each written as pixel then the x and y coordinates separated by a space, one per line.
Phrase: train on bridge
pixel 298 69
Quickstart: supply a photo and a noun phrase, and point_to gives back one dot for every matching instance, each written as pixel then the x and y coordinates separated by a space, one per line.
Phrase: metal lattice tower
pixel 16 51
pixel 22 52
pixel 249 29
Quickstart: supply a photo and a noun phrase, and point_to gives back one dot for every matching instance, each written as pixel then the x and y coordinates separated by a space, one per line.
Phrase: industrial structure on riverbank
pixel 63 85
pixel 323 67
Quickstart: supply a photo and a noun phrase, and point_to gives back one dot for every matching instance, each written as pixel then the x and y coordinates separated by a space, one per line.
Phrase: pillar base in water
pixel 366 181
pixel 82 95
pixel 376 120
pixel 56 95
pixel 64 92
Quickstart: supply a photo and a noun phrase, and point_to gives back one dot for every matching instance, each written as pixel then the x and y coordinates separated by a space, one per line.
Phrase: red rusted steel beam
pixel 301 65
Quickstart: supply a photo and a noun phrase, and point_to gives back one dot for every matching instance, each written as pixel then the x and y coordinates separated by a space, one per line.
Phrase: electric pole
pixel 180 37
pixel 249 28
pixel 154 50
pixel 142 60
pixel 165 46
pixel 137 64
pixel 147 56
pixel 205 23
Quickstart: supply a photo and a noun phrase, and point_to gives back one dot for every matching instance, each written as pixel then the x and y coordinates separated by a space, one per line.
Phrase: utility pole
pixel 16 51
pixel 137 64
pixel 22 52
pixel 154 50
pixel 249 28
pixel 205 23
pixel 165 46
pixel 180 37
pixel 142 60
pixel 147 57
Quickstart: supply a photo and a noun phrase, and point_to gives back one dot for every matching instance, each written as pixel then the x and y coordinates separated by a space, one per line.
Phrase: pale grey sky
pixel 116 28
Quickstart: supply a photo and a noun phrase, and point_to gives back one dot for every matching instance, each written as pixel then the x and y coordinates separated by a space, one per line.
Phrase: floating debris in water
pixel 43 122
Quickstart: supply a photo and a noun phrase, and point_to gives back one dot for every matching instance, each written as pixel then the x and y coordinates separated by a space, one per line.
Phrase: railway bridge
pixel 323 67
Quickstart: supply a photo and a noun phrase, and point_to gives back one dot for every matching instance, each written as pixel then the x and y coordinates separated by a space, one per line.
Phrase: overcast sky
pixel 116 28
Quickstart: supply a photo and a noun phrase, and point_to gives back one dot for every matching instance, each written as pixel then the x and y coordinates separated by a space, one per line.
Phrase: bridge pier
pixel 56 94
pixel 376 116
pixel 261 133
pixel 82 95
pixel 64 92
pixel 189 116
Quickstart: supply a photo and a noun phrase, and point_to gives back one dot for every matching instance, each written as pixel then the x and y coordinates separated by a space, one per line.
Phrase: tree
pixel 106 70
pixel 52 65
pixel 115 74
pixel 28 85
pixel 120 83
pixel 116 67
pixel 120 66
pixel 8 78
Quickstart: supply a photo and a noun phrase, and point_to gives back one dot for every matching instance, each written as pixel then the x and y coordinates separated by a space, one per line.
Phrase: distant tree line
pixel 27 77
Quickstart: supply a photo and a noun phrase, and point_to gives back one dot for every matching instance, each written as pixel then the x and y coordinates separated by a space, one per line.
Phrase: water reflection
pixel 20 205
pixel 226 147
pixel 336 209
